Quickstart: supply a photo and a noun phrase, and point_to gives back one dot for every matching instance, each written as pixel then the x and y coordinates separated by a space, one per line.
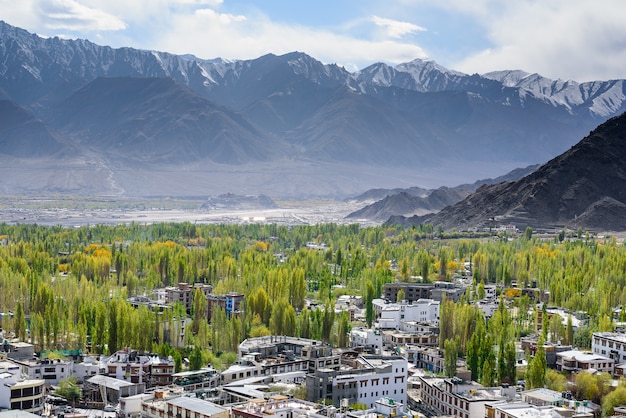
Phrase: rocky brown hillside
pixel 583 187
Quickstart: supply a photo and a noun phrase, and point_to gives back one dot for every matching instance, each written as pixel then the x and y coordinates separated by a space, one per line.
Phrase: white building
pixel 89 367
pixel 19 393
pixel 525 410
pixel 279 406
pixel 609 344
pixel 369 339
pixel 422 310
pixel 574 360
pixel 50 370
pixel 185 407
pixel 362 379
pixel 455 397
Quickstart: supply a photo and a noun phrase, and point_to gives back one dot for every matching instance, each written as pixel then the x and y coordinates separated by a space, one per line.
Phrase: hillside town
pixel 394 368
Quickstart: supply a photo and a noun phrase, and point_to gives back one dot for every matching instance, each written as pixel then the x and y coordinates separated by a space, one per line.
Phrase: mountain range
pixel 583 187
pixel 87 119
pixel 416 201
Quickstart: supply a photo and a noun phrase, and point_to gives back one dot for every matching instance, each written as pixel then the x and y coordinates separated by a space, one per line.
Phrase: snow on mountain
pixel 426 71
pixel 603 98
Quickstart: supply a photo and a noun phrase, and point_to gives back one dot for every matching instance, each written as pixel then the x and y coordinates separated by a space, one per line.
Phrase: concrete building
pixel 50 370
pixel 278 406
pixel 574 361
pixel 129 365
pixel 367 339
pixel 194 380
pixel 459 398
pixel 362 379
pixel 395 339
pixel 17 350
pixel 231 303
pixel 183 407
pixel 530 344
pixel 427 358
pixel 412 291
pixel 281 354
pixel 525 410
pixel 610 344
pixel 422 310
pixel 18 393
pixel 89 367
pixel 184 293
pixel 99 390
pixel 543 397
pixel 384 407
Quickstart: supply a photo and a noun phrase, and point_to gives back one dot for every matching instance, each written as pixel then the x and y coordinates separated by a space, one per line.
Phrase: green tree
pixel 195 359
pixel 569 331
pixel 528 233
pixel 536 370
pixel 450 356
pixel 343 329
pixel 613 399
pixel 582 338
pixel 113 330
pixel 510 359
pixel 19 322
pixel 555 381
pixel 199 310
pixel 69 390
pixel 328 320
pixel 369 306
pixel 586 386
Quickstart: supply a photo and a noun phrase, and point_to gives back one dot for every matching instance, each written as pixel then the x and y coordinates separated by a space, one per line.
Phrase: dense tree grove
pixel 68 287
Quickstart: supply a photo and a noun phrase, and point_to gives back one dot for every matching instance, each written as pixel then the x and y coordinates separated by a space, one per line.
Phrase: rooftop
pixel 197 405
pixel 580 356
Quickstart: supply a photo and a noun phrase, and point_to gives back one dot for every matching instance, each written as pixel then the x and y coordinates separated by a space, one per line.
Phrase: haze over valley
pixel 81 119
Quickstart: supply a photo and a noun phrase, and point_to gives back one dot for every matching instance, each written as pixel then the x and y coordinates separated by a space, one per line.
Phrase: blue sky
pixel 569 39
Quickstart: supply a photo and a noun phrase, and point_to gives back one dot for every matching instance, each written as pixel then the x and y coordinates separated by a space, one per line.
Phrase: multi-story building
pixel 412 291
pixel 427 358
pixel 530 344
pixel 574 361
pixel 128 365
pixel 17 350
pixel 367 339
pixel 88 367
pixel 184 293
pixel 231 303
pixel 610 344
pixel 277 352
pixel 422 310
pixel 278 406
pixel 525 410
pixel 543 397
pixel 398 338
pixel 18 393
pixel 459 398
pixel 194 380
pixel 183 407
pixel 416 291
pixel 102 390
pixel 50 370
pixel 362 379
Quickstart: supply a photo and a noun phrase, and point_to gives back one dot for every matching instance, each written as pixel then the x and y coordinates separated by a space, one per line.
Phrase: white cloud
pixel 213 3
pixel 575 39
pixel 395 28
pixel 71 15
pixel 568 39
pixel 209 34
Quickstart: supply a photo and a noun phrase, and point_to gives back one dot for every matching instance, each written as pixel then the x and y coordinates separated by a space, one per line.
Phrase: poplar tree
pixel 536 371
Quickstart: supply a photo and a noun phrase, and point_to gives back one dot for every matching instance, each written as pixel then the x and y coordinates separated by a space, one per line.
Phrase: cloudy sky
pixel 581 40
